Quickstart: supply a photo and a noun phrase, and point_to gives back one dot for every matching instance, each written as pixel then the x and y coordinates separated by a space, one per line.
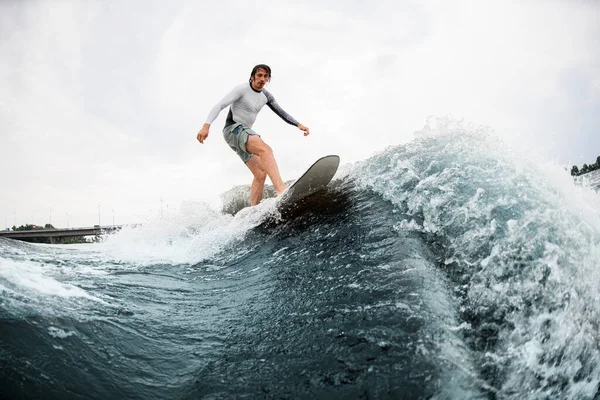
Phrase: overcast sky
pixel 101 101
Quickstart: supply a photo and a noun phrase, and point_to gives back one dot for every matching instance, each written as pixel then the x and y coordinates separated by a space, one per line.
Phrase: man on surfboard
pixel 246 101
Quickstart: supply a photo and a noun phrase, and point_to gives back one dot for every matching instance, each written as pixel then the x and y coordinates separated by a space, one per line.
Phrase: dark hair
pixel 260 66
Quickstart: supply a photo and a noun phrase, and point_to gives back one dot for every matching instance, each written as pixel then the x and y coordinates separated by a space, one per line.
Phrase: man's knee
pixel 264 149
pixel 259 147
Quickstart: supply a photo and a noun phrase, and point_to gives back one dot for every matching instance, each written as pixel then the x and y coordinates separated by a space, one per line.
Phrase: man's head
pixel 260 75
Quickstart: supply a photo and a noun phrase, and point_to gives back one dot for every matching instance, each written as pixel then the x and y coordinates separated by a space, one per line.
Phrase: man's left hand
pixel 305 129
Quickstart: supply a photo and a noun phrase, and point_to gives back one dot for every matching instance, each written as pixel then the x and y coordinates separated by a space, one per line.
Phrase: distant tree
pixel 26 227
pixel 32 227
pixel 574 171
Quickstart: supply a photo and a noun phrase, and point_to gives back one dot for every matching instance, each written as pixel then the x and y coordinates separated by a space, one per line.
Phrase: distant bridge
pixel 54 234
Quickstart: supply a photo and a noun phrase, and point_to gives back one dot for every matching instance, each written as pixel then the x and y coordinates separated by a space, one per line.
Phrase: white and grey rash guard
pixel 245 105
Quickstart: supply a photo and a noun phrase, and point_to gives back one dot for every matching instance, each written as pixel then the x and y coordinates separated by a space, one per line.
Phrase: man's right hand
pixel 203 133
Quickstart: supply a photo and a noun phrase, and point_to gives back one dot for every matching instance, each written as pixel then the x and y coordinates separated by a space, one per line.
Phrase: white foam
pixel 59 333
pixel 30 277
pixel 194 233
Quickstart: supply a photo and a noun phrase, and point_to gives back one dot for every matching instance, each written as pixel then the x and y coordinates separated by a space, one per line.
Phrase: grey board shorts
pixel 236 137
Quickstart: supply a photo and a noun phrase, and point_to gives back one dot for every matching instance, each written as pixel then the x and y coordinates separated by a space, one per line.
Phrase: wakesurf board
pixel 314 179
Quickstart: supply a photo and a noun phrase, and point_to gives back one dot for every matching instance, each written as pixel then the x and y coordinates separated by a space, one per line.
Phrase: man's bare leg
pixel 265 162
pixel 258 183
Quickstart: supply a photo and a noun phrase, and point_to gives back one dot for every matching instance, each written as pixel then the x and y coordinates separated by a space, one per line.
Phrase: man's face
pixel 260 79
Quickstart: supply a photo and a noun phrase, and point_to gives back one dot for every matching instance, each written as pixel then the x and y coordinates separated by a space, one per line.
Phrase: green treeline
pixel 31 227
pixel 575 171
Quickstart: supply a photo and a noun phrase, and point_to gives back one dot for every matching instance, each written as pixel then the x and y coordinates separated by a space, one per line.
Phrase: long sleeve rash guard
pixel 245 104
